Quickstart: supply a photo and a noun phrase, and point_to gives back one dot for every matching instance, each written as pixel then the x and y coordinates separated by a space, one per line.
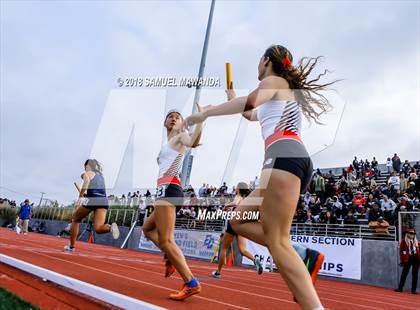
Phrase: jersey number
pixel 160 191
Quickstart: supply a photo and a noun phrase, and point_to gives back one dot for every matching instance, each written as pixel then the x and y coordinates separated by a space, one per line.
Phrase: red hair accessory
pixel 286 61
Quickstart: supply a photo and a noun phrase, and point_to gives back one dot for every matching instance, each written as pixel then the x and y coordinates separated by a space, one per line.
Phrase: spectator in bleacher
pixel 344 173
pixel 388 207
pixel 412 176
pixel 328 217
pixel 223 189
pixel 403 182
pixel 306 199
pixel 358 202
pixel 369 201
pixel 396 163
pixel 356 164
pixel 375 213
pixel 310 219
pixel 406 167
pixel 367 163
pixel 343 184
pixel 337 207
pixel 361 165
pixel 394 182
pixel 301 215
pixel 373 184
pixel 374 163
pixel 417 166
pixel 354 183
pixel 347 196
pixel 376 192
pixel 330 189
pixel 202 191
pixel 314 205
pixel 411 190
pixel 319 186
pixel 388 165
pixel 350 218
pixel 380 226
pixel 349 171
pixel 409 257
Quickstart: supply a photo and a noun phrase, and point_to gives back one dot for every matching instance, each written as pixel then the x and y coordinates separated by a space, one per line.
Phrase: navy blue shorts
pixel 96 203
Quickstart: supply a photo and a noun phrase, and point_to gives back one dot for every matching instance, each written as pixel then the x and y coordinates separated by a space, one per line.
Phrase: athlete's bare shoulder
pixel 280 84
pixel 274 82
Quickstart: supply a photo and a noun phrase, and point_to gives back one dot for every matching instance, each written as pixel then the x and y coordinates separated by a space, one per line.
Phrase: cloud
pixel 60 62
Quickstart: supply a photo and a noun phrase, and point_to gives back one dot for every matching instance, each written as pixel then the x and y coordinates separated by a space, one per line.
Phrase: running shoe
pixel 69 249
pixel 115 231
pixel 216 274
pixel 258 266
pixel 313 262
pixel 185 292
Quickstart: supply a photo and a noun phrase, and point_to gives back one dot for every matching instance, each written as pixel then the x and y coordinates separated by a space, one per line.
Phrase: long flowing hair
pixel 307 91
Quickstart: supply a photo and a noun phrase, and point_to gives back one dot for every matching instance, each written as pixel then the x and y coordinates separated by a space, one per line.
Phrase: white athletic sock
pixel 319 308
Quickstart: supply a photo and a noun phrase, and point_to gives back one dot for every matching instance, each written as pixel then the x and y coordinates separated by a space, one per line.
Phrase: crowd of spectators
pixel 360 194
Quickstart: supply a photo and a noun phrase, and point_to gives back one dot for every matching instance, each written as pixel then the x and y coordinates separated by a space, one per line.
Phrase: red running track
pixel 140 275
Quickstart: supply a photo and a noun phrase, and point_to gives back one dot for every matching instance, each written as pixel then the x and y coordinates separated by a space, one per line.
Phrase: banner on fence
pixel 343 256
pixel 193 243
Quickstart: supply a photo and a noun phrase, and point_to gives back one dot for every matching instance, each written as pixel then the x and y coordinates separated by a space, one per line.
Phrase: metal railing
pixel 343 230
pixel 125 217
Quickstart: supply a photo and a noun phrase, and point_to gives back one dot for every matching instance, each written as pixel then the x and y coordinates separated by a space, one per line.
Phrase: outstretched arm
pixel 264 92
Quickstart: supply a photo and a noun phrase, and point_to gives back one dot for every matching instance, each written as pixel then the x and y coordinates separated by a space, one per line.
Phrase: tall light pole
pixel 40 200
pixel 188 160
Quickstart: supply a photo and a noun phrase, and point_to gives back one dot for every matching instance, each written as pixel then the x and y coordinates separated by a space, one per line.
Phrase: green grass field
pixel 9 301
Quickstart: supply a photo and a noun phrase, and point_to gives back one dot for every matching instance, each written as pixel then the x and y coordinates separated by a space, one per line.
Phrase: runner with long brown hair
pixel 283 94
pixel 92 198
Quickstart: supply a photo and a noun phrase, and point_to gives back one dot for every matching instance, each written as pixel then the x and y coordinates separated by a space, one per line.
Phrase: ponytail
pixel 94 165
pixel 307 92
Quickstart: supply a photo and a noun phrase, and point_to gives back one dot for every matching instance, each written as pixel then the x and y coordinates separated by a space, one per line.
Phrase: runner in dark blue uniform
pixel 92 197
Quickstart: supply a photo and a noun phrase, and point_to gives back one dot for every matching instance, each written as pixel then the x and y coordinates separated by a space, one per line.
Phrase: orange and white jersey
pixel 279 119
pixel 170 165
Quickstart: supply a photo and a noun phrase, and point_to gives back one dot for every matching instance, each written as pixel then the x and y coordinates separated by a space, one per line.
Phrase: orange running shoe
pixel 185 292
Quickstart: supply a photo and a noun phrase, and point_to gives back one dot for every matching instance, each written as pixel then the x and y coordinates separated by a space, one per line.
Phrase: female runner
pixel 93 189
pixel 160 225
pixel 283 93
pixel 242 191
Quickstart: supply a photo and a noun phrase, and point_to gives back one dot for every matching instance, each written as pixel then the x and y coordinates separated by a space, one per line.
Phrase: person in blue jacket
pixel 25 216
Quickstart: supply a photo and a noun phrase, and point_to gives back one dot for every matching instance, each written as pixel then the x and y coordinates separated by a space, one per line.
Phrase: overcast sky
pixel 60 101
